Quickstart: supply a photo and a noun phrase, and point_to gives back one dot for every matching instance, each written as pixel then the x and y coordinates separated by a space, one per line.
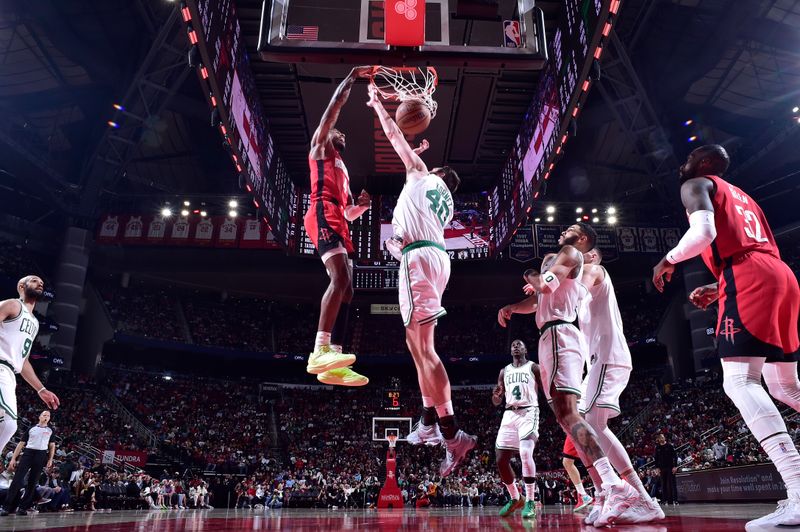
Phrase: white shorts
pixel 517 425
pixel 424 273
pixel 8 392
pixel 562 351
pixel 603 386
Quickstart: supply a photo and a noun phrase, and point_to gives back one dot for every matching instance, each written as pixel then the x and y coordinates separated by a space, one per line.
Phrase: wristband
pixel 551 282
pixel 43 388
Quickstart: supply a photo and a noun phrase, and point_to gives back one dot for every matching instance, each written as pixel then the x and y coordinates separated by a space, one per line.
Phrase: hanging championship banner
pixel 607 242
pixel 650 239
pixel 547 239
pixel 627 239
pixel 670 236
pixel 523 245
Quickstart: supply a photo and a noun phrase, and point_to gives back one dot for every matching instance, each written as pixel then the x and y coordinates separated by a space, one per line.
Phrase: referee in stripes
pixel 38 452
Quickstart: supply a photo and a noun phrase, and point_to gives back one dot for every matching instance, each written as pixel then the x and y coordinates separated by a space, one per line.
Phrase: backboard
pixel 502 34
pixel 382 427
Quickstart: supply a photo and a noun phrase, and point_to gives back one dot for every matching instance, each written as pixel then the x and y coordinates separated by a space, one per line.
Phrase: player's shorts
pixel 759 305
pixel 327 228
pixel 517 425
pixel 569 450
pixel 423 276
pixel 562 351
pixel 8 392
pixel 603 386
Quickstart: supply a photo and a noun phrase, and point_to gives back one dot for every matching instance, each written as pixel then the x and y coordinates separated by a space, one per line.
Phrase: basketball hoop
pixel 392 439
pixel 406 83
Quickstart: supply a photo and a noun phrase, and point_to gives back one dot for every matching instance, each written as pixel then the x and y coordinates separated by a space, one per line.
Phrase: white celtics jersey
pixel 603 326
pixel 424 208
pixel 520 385
pixel 563 304
pixel 16 337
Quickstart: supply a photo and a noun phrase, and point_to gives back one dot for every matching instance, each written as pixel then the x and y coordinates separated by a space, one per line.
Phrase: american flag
pixel 302 33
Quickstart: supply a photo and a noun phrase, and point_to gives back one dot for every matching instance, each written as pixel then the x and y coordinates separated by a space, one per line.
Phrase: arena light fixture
pixel 118 107
pixel 692 138
pixel 550 218
pixel 550 209
pixel 537 220
pixel 167 378
pixel 795 109
pixel 688 122
pixel 203 213
pixel 113 124
pixel 578 219
pixel 186 203
pixel 579 210
pixel 233 204
pixel 594 211
pixel 612 220
pixel 595 220
pixel 184 212
pixel 233 214
pixel 612 210
pixel 166 212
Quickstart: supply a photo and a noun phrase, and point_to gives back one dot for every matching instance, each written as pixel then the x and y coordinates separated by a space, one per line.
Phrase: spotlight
pixel 549 218
pixel 594 211
pixel 186 203
pixel 595 220
pixel 537 220
pixel 578 219
pixel 688 122
pixel 167 378
pixel 612 210
pixel 203 214
pixel 113 124
pixel 184 212
pixel 612 220
pixel 118 107
pixel 550 209
pixel 232 214
pixel 692 138
pixel 579 210
pixel 233 204
pixel 795 109
pixel 166 212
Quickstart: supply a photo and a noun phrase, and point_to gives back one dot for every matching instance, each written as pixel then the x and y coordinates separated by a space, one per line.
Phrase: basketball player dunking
pixel 562 354
pixel 18 329
pixel 424 208
pixel 759 303
pixel 610 369
pixel 325 222
pixel 519 429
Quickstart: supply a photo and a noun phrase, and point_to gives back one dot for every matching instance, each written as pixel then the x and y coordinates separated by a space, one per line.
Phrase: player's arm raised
pixel 395 136
pixel 499 390
pixel 331 114
pixel 566 261
pixel 696 197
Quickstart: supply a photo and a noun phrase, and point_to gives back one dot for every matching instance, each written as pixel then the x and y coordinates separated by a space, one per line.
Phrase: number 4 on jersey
pixel 516 393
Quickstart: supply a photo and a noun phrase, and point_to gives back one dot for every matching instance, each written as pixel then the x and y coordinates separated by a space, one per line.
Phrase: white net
pixel 406 83
pixel 392 439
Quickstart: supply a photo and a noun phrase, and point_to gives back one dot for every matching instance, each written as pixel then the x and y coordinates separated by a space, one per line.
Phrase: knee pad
pixel 782 383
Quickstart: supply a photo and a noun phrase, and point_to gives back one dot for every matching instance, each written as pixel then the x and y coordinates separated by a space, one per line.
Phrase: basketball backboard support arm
pixel 273 45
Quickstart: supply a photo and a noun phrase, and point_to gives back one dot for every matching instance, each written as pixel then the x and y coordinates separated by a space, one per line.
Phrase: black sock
pixel 528 480
pixel 428 416
pixel 448 426
pixel 340 325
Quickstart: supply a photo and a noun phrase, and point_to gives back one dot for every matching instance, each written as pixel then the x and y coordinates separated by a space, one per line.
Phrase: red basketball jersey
pixel 329 180
pixel 741 227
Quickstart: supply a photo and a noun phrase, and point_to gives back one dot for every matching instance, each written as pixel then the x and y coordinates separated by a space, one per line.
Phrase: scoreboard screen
pixel 392 401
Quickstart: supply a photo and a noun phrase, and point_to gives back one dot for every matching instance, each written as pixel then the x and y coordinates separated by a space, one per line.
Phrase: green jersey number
pixel 438 206
pixel 26 347
pixel 516 393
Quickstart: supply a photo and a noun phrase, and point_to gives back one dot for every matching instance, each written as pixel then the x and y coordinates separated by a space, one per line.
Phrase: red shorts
pixel 326 227
pixel 759 305
pixel 569 449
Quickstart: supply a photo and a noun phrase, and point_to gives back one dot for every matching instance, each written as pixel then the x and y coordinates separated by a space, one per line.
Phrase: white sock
pixel 445 409
pixel 513 491
pixel 337 348
pixel 581 489
pixel 781 450
pixel 530 491
pixel 607 473
pixel 633 479
pixel 427 402
pixel 323 338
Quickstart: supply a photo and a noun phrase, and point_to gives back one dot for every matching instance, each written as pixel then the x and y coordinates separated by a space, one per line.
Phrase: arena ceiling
pixel 733 68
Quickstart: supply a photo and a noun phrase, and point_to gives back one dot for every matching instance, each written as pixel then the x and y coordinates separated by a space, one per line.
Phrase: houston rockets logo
pixel 390 474
pixel 324 234
pixel 406 8
pixel 728 331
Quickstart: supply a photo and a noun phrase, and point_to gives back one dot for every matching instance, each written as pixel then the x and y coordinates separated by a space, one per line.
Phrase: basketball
pixel 413 117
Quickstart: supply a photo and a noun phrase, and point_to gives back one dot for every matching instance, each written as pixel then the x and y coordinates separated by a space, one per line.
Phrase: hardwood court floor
pixel 686 517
